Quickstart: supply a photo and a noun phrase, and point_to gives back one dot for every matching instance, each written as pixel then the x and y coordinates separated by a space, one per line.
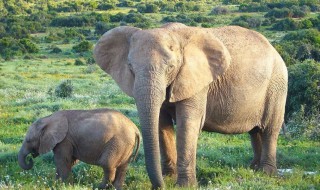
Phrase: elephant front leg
pixel 190 116
pixel 63 160
pixel 167 144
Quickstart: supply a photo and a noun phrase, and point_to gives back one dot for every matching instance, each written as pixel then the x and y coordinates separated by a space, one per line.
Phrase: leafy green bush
pixel 300 45
pixel 298 125
pixel 253 7
pixel 219 10
pixel 102 27
pixel 78 62
pixel 286 24
pixel 307 36
pixel 82 46
pixel 106 6
pixel 64 89
pixel 29 46
pixel 247 21
pixel 303 88
pixel 148 8
pixel 56 50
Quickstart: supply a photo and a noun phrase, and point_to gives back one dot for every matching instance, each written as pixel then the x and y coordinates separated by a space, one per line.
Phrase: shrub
pixel 299 125
pixel 64 89
pixel 148 8
pixel 303 88
pixel 253 7
pixel 28 46
pixel 56 50
pixel 78 62
pixel 306 36
pixel 102 27
pixel 286 24
pixel 106 6
pixel 82 46
pixel 247 21
pixel 90 61
pixel 220 10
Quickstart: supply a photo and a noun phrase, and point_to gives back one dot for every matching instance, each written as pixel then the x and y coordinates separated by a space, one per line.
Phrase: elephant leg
pixel 108 178
pixel 256 146
pixel 120 176
pixel 190 115
pixel 272 123
pixel 167 144
pixel 63 159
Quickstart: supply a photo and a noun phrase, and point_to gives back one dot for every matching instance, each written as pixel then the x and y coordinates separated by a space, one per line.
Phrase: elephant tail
pixel 137 141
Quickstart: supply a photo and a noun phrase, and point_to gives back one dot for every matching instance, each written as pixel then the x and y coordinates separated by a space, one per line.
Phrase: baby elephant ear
pixel 111 54
pixel 54 130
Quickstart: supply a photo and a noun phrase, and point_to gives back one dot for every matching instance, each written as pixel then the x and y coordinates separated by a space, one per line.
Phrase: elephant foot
pixel 104 186
pixel 170 172
pixel 269 170
pixel 190 181
pixel 255 164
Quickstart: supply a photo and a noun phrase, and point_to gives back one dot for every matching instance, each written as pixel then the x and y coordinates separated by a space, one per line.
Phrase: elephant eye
pixel 170 68
pixel 130 66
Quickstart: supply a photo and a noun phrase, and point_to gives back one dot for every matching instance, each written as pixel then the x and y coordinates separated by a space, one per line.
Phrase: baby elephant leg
pixel 120 176
pixel 109 175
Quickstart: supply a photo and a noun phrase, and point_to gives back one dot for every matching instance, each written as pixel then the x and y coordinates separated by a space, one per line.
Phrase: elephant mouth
pixel 34 154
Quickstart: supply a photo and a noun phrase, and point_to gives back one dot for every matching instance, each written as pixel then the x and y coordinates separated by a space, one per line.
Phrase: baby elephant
pixel 100 137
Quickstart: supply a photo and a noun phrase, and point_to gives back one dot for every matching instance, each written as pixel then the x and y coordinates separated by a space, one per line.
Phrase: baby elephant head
pixel 42 136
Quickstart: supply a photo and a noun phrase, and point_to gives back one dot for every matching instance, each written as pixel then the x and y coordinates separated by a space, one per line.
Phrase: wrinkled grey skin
pixel 100 137
pixel 228 80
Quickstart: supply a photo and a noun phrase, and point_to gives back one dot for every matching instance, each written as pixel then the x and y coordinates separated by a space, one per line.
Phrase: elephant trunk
pixel 23 153
pixel 149 101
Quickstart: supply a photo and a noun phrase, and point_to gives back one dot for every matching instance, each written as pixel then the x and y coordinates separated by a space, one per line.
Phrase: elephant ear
pixel 111 54
pixel 205 58
pixel 54 130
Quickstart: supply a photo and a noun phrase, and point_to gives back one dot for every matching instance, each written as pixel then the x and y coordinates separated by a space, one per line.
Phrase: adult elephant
pixel 227 80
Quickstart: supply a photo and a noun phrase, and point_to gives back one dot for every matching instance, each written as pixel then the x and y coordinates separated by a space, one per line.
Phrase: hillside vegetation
pixel 46 65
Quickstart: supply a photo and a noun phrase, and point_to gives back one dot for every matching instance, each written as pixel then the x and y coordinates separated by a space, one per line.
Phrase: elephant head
pixel 171 63
pixel 42 136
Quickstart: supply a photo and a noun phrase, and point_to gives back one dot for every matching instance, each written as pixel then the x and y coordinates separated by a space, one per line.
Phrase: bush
pixel 286 24
pixel 148 8
pixel 82 47
pixel 220 11
pixel 303 88
pixel 64 89
pixel 102 27
pixel 90 61
pixel 28 46
pixel 306 36
pixel 56 50
pixel 299 125
pixel 253 7
pixel 106 6
pixel 247 21
pixel 78 62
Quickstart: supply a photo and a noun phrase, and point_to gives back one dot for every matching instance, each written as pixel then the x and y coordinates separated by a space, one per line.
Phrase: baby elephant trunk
pixel 22 156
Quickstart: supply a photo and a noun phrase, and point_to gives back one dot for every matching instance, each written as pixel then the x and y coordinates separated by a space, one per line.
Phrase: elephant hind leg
pixel 167 145
pixel 271 126
pixel 255 135
pixel 120 176
pixel 109 176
